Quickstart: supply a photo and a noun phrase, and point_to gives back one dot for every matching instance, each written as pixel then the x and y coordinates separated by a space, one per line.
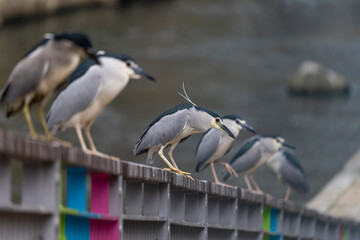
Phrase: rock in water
pixel 313 79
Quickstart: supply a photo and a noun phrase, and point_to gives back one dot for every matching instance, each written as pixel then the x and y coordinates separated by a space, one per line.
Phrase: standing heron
pixel 40 73
pixel 289 171
pixel 215 144
pixel 255 152
pixel 173 126
pixel 92 87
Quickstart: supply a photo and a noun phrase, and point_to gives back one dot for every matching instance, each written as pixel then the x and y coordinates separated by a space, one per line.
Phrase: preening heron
pixel 41 71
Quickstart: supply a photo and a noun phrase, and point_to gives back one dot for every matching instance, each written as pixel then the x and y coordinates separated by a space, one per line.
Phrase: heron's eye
pixel 237 121
pixel 128 63
pixel 217 120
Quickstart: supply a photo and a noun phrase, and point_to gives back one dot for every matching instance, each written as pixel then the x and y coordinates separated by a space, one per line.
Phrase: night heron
pixel 289 171
pixel 173 126
pixel 40 73
pixel 215 144
pixel 92 87
pixel 255 152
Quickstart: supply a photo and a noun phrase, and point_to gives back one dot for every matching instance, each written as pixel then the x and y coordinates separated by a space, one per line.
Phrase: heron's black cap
pixel 79 39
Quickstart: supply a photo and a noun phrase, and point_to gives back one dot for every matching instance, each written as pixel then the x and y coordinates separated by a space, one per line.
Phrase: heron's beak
pixel 139 71
pixel 248 127
pixel 286 144
pixel 92 55
pixel 225 129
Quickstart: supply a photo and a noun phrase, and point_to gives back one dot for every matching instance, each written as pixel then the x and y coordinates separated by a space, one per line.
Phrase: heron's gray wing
pixel 24 78
pixel 246 158
pixel 292 173
pixel 162 131
pixel 206 148
pixel 73 99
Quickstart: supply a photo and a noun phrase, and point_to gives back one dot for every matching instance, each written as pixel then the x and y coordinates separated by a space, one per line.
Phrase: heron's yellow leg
pixel 46 129
pixel 171 167
pixel 26 112
pixel 171 156
pixel 43 122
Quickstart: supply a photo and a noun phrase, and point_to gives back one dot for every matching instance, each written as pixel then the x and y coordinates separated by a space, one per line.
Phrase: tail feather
pixel 150 157
pixel 225 175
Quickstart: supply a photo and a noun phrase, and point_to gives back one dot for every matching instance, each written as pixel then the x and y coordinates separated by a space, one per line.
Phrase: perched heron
pixel 41 72
pixel 91 88
pixel 173 126
pixel 289 171
pixel 255 152
pixel 215 144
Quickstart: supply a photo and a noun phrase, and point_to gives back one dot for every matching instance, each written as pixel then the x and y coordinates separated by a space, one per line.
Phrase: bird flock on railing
pixel 85 89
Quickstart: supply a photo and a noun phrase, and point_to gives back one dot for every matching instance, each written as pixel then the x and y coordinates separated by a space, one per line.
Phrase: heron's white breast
pixel 114 79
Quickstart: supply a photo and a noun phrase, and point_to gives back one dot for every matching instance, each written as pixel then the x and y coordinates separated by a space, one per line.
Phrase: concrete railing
pixel 66 194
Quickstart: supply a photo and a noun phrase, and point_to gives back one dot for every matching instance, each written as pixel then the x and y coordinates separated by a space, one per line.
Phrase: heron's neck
pixel 200 121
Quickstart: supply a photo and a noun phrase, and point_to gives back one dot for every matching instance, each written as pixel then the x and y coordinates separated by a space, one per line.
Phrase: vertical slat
pixel 32 185
pixel 274 214
pixel 133 198
pixel 76 188
pixel 151 199
pixel 77 228
pixel 192 207
pixel 100 230
pixel 266 219
pixel 114 195
pixel 5 181
pixel 100 193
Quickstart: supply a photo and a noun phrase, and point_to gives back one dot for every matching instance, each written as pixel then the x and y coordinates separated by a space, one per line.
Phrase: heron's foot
pixel 103 155
pixel 230 169
pixel 255 191
pixel 33 135
pixel 62 142
pixel 223 184
pixel 178 171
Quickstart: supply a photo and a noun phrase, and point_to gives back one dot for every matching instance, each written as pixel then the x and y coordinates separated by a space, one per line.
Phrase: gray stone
pixel 311 78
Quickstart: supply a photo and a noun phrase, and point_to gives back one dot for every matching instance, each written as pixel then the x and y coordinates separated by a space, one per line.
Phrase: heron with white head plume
pixel 174 126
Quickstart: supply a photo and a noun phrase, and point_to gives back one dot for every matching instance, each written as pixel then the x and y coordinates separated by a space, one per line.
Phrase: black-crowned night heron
pixel 91 89
pixel 254 153
pixel 289 171
pixel 173 126
pixel 215 144
pixel 40 73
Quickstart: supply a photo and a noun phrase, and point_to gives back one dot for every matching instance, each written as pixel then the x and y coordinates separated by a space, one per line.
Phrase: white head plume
pixel 186 97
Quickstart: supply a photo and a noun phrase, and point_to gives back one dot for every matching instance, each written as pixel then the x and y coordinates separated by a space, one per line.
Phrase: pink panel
pixel 101 230
pixel 341 233
pixel 100 193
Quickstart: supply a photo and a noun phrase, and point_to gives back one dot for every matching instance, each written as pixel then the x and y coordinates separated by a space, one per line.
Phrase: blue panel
pixel 76 188
pixel 274 237
pixel 77 228
pixel 273 220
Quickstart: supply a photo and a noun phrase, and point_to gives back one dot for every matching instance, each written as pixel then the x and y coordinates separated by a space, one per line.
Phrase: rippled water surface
pixel 235 58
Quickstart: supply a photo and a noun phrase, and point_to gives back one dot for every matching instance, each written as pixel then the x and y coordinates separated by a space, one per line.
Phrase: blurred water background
pixel 235 58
